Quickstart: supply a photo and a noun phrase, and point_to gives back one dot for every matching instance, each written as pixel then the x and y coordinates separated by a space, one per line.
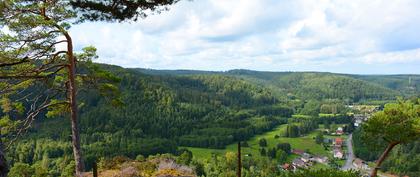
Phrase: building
pixel 338 142
pixel 286 166
pixel 339 131
pixel 320 159
pixel 357 122
pixel 298 163
pixel 338 153
pixel 298 151
pixel 306 157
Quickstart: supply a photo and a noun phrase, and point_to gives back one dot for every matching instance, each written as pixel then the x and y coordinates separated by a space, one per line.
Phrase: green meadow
pixel 306 142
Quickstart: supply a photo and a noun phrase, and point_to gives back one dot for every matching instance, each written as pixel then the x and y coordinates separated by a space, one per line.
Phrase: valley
pixel 207 113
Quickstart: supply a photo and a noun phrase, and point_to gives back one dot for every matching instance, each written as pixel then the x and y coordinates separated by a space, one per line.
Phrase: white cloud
pixel 265 35
pixel 406 56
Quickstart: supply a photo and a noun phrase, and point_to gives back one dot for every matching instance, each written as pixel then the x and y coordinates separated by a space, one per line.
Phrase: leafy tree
pixel 327 125
pixel 324 173
pixel 263 142
pixel 185 158
pixel 263 152
pixel 398 123
pixel 140 158
pixel 199 168
pixel 244 144
pixel 319 138
pixel 231 160
pixel 349 128
pixel 281 156
pixel 286 147
pixel 272 153
pixel 292 131
pixel 21 170
pixel 311 107
pixel 333 163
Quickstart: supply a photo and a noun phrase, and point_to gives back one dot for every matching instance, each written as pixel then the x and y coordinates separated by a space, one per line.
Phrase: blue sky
pixel 353 36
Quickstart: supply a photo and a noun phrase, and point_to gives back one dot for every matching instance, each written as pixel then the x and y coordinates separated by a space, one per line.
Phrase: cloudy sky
pixel 353 36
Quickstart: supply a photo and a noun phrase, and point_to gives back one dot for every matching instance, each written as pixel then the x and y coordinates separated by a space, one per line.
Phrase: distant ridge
pixel 405 84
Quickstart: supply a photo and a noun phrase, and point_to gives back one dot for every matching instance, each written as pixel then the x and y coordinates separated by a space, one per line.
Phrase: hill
pixel 320 85
pixel 166 109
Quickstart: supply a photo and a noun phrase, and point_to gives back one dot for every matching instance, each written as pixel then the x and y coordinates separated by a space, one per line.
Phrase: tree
pixel 263 152
pixel 263 142
pixel 323 173
pixel 118 10
pixel 327 124
pixel 349 128
pixel 319 138
pixel 398 123
pixel 272 153
pixel 244 144
pixel 292 130
pixel 281 156
pixel 30 59
pixel 311 108
pixel 185 158
pixel 286 147
pixel 21 170
pixel 29 54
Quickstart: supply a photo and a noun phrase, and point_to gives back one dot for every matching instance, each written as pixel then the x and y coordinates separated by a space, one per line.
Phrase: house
pixel 338 153
pixel 338 142
pixel 360 164
pixel 306 157
pixel 339 131
pixel 320 159
pixel 298 151
pixel 298 163
pixel 286 166
pixel 357 122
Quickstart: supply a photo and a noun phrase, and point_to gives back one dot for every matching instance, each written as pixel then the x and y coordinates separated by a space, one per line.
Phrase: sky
pixel 352 36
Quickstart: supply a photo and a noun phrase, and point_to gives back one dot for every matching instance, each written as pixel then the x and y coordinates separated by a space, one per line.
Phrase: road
pixel 350 155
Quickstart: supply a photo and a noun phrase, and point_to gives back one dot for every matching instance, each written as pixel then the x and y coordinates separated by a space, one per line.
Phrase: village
pixel 338 152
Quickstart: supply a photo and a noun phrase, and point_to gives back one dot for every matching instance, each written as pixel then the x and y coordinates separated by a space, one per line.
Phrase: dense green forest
pixel 320 85
pixel 159 114
pixel 162 111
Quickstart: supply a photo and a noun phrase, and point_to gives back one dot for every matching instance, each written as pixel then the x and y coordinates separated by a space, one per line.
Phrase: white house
pixel 338 153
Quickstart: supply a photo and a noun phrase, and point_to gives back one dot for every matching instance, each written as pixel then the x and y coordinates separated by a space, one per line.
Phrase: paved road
pixel 350 155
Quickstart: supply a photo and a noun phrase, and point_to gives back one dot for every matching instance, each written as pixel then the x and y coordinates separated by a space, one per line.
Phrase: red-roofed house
pixel 298 151
pixel 286 166
pixel 338 142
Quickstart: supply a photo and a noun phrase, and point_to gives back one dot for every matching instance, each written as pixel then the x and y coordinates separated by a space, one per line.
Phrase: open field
pixel 303 143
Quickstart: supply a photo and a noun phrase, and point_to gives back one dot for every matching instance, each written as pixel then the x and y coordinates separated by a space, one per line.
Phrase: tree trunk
pixel 95 169
pixel 239 160
pixel 73 107
pixel 71 91
pixel 382 158
pixel 4 168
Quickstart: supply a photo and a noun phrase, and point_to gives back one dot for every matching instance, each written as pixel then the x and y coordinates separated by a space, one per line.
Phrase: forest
pixel 159 113
pixel 63 114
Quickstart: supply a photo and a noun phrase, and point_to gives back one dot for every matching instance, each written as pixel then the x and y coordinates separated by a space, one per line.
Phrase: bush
pixel 263 142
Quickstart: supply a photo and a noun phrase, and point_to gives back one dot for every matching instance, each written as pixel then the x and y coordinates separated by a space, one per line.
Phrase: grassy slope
pixel 303 143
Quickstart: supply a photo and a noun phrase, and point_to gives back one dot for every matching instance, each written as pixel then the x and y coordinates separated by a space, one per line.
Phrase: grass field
pixel 303 143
